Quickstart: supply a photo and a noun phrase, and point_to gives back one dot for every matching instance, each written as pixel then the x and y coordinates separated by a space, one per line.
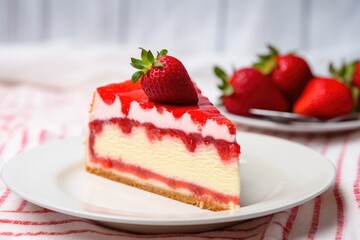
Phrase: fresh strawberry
pixel 248 88
pixel 356 75
pixel 288 72
pixel 350 75
pixel 164 79
pixel 324 98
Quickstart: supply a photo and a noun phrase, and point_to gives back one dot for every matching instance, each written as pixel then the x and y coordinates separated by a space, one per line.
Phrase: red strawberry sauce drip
pixel 126 126
pixel 128 92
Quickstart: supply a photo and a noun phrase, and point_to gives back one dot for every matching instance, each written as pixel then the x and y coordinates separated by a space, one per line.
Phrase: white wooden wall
pixel 187 25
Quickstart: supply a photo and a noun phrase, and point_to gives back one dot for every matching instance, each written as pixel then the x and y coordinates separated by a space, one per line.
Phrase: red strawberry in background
pixel 288 72
pixel 356 75
pixel 164 79
pixel 248 88
pixel 324 98
pixel 356 83
pixel 350 75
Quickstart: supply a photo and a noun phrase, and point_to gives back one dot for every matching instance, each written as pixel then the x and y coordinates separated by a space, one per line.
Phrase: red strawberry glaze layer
pixel 129 92
pixel 228 151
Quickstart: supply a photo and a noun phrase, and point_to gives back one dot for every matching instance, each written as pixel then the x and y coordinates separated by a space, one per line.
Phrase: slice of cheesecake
pixel 159 133
pixel 187 153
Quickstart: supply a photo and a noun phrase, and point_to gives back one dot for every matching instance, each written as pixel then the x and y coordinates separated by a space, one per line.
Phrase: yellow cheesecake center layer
pixel 169 157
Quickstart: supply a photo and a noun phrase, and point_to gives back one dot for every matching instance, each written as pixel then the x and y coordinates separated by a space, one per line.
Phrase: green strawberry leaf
pixel 355 94
pixel 343 74
pixel 137 62
pixel 146 63
pixel 273 50
pixel 220 73
pixel 266 67
pixel 144 56
pixel 150 57
pixel 163 52
pixel 137 66
pixel 226 88
pixel 349 72
pixel 333 71
pixel 267 62
pixel 135 77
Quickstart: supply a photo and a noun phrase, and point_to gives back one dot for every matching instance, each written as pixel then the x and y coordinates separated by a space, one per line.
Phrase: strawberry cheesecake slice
pixel 185 152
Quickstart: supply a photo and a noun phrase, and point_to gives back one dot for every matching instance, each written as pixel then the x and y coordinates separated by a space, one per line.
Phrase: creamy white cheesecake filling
pixel 104 111
pixel 203 167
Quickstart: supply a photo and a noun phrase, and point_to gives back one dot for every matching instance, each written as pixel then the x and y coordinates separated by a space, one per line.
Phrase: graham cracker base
pixel 204 204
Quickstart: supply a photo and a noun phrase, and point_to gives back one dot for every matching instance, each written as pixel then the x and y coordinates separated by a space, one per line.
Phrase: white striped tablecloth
pixel 31 116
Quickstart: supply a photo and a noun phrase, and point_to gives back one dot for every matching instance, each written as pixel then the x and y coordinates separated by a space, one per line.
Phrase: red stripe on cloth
pixel 30 212
pixel 22 206
pixel 67 221
pixel 35 223
pixel 279 224
pixel 42 136
pixel 24 140
pixel 308 139
pixel 337 193
pixel 247 229
pixel 5 127
pixel 262 237
pixel 43 233
pixel 317 202
pixel 357 185
pixel 326 145
pixel 7 119
pixel 294 211
pixel 315 218
pixel 290 222
pixel 4 196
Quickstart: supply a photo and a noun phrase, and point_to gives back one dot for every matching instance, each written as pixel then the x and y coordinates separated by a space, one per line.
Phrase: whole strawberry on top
pixel 248 88
pixel 324 98
pixel 164 79
pixel 288 72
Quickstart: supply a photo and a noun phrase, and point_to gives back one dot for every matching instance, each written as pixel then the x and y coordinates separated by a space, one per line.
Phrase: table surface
pixel 30 116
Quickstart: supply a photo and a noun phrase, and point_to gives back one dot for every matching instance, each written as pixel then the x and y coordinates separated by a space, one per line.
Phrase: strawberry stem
pixel 272 49
pixel 345 74
pixel 267 62
pixel 225 86
pixel 146 63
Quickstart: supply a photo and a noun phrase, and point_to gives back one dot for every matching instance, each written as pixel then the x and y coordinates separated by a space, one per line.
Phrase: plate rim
pixel 219 218
pixel 296 127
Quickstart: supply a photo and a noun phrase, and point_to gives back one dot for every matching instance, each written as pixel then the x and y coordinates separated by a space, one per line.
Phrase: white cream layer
pixel 170 157
pixel 104 111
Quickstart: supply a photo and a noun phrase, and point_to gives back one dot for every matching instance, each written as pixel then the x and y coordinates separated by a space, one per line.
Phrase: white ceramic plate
pixel 275 175
pixel 299 127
